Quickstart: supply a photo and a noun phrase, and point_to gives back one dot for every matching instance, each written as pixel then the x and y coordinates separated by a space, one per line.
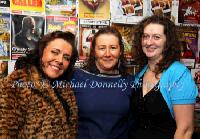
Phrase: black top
pixel 154 119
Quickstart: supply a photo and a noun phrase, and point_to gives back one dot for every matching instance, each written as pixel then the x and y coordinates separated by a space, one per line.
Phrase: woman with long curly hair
pixel 164 95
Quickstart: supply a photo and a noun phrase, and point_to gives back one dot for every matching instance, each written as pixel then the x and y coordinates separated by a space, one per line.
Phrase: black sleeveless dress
pixel 153 117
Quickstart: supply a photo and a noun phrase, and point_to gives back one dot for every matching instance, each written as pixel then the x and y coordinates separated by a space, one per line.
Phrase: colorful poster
pixel 63 23
pixel 188 38
pixel 61 7
pixel 127 11
pixel 4 36
pixel 189 12
pixel 127 31
pixel 27 6
pixel 161 7
pixel 5 6
pixel 87 29
pixel 26 31
pixel 98 9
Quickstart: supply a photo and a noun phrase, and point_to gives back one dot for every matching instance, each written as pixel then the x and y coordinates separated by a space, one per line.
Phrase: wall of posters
pixel 86 17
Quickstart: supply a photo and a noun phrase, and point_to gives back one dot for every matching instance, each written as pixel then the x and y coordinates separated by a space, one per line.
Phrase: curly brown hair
pixel 172 50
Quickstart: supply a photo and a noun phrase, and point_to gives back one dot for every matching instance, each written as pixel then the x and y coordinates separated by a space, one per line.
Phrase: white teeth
pixel 54 67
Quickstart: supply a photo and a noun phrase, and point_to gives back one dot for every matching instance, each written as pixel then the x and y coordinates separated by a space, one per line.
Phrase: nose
pixel 149 41
pixel 59 59
pixel 107 52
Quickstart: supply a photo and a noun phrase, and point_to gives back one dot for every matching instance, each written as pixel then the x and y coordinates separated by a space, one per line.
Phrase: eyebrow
pixel 108 45
pixel 154 34
pixel 60 51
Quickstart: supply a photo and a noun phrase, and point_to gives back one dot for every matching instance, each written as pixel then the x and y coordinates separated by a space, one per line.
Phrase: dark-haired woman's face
pixel 153 41
pixel 107 52
pixel 56 58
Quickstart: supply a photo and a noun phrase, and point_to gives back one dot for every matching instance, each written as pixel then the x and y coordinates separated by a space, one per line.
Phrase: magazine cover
pixel 128 11
pixel 188 38
pixel 4 36
pixel 27 7
pixel 127 31
pixel 63 23
pixel 26 31
pixel 86 31
pixel 61 7
pixel 98 9
pixel 189 12
pixel 5 6
pixel 3 69
pixel 161 7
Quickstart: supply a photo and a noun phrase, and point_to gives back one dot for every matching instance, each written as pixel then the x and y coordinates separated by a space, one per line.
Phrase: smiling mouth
pixel 55 67
pixel 107 60
pixel 150 48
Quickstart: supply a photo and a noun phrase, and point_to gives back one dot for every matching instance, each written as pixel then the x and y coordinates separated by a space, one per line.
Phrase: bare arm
pixel 184 116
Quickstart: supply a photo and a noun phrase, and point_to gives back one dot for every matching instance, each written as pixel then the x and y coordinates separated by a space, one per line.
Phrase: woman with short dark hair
pixel 35 99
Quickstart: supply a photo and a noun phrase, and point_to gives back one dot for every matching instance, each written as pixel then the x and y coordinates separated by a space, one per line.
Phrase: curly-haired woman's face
pixel 56 58
pixel 153 41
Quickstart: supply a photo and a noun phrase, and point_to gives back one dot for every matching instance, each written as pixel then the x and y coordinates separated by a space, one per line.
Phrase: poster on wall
pixel 5 6
pixel 61 7
pixel 26 31
pixel 27 7
pixel 98 9
pixel 127 11
pixel 4 36
pixel 63 23
pixel 188 38
pixel 161 7
pixel 86 31
pixel 127 31
pixel 189 12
